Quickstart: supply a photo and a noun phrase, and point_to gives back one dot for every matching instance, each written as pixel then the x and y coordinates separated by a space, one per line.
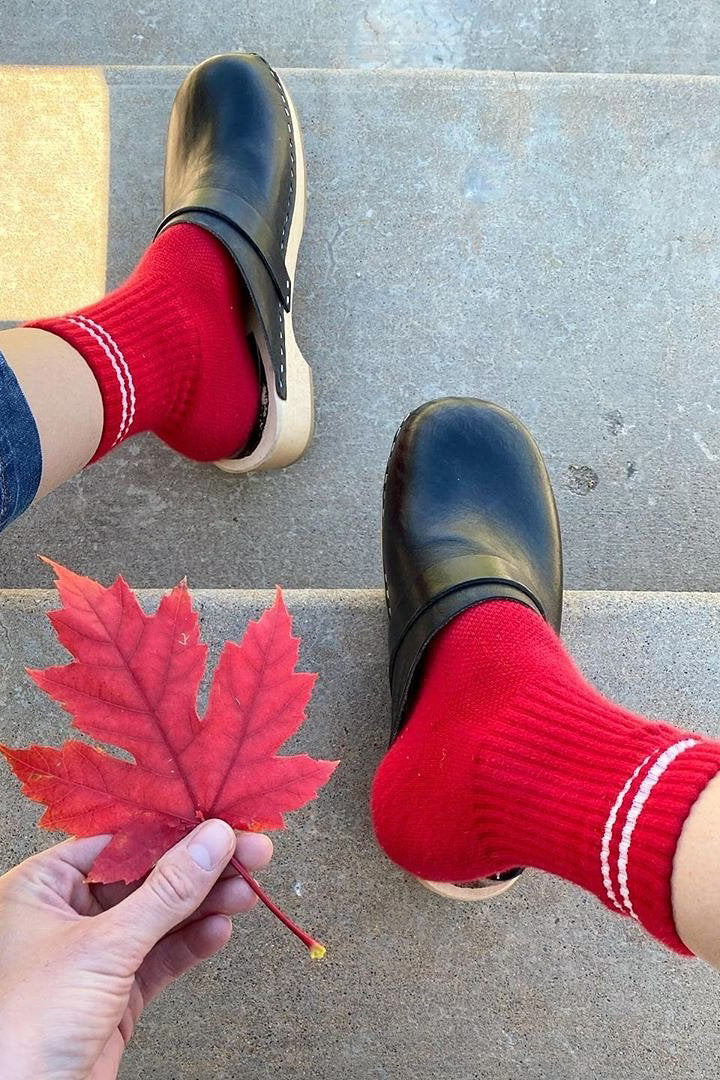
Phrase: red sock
pixel 510 758
pixel 169 349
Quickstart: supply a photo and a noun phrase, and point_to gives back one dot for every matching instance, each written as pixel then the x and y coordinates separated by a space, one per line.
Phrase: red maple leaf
pixel 133 683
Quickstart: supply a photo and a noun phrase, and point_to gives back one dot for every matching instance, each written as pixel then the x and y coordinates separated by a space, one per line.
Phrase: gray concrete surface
pixel 542 984
pixel 549 242
pixel 543 35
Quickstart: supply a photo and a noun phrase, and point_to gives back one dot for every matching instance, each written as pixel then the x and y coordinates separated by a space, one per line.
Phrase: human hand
pixel 79 962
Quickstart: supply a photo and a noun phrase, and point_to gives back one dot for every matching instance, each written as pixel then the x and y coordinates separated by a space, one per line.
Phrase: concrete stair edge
pixel 572 597
pixel 151 72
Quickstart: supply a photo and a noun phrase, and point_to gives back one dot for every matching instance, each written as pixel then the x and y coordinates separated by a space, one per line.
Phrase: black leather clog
pixel 235 166
pixel 468 516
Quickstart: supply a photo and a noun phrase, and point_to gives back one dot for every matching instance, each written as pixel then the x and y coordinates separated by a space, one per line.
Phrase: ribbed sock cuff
pixel 664 794
pixel 609 820
pixel 141 349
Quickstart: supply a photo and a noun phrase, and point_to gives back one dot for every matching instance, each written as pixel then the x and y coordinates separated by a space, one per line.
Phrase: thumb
pixel 173 890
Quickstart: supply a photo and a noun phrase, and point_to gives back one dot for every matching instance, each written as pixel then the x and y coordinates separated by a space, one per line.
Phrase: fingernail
pixel 211 844
pixel 255 850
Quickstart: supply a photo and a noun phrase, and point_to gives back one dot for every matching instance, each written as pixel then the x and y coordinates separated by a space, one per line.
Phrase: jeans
pixel 20 453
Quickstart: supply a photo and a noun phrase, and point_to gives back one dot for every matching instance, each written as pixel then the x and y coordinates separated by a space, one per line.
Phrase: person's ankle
pixel 169 349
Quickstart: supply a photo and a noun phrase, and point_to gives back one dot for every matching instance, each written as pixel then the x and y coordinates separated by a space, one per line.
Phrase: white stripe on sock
pixel 607 835
pixel 655 773
pixel 121 360
pixel 116 369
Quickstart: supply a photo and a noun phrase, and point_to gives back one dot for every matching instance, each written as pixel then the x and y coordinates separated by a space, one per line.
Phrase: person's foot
pixel 468 516
pixel 503 755
pixel 235 166
pixel 197 345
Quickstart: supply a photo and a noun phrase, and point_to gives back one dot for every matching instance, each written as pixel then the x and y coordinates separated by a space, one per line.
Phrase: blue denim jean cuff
pixel 20 453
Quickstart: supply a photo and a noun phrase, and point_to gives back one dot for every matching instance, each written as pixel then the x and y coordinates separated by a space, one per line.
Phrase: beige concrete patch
pixel 54 141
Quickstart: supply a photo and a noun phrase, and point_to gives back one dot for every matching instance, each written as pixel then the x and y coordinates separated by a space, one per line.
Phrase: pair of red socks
pixel 509 757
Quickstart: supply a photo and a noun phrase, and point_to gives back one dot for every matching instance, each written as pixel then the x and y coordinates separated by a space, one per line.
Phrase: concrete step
pixel 542 983
pixel 546 241
pixel 588 35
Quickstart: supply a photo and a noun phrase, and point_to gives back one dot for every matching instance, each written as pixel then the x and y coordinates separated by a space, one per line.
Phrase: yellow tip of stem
pixel 317 951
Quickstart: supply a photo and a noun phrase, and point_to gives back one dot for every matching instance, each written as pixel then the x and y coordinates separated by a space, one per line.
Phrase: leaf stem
pixel 317 951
